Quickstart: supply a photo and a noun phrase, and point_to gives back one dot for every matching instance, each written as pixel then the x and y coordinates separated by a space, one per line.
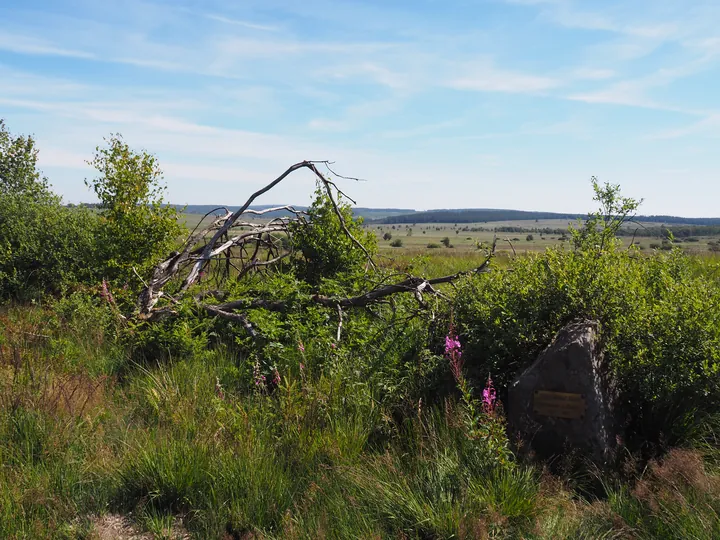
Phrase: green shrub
pixel 44 247
pixel 396 243
pixel 136 227
pixel 660 325
pixel 326 250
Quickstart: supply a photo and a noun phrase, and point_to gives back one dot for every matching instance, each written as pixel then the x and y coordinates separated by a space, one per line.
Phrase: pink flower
pixel 452 345
pixel 489 396
pixel 258 377
pixel 453 353
pixel 301 347
pixel 302 367
pixel 276 377
pixel 333 346
pixel 105 292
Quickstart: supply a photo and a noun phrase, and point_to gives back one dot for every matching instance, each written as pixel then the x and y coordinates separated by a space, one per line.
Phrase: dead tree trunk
pixel 230 241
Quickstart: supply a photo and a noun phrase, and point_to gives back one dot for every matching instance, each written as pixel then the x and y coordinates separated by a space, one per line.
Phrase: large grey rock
pixel 565 402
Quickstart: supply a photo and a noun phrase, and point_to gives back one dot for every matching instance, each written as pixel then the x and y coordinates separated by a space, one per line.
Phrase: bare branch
pixel 206 253
pixel 257 246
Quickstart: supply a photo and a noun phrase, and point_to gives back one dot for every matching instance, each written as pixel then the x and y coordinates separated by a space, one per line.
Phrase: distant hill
pixel 461 215
pixel 474 215
pixel 367 213
pixel 480 215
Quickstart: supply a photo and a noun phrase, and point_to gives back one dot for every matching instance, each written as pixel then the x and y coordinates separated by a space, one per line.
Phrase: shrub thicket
pixel 44 247
pixel 660 321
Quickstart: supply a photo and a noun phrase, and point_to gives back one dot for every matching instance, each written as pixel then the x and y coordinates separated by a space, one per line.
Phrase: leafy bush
pixel 44 247
pixel 326 250
pixel 18 167
pixel 396 243
pixel 136 227
pixel 660 324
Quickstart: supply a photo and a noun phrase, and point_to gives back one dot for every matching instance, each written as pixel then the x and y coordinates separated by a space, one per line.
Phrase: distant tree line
pixel 655 231
pixel 490 215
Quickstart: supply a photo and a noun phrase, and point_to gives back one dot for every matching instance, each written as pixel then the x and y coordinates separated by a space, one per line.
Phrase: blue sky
pixel 437 104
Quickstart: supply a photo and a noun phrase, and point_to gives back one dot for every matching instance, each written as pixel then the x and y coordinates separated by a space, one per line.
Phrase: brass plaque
pixel 559 404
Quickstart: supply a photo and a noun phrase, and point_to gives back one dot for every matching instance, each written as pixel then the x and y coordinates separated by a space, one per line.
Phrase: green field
pixel 420 236
pixel 427 237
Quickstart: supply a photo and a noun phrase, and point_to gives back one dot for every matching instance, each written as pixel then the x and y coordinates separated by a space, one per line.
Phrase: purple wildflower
pixel 489 396
pixel 276 377
pixel 301 347
pixel 452 345
pixel 105 292
pixel 453 353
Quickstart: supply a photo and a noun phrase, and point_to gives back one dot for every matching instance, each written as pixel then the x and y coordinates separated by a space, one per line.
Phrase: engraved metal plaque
pixel 559 404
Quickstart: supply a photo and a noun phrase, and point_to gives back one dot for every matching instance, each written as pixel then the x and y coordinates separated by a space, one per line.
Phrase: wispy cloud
pixel 494 80
pixel 398 93
pixel 239 22
pixel 29 45
pixel 594 74
pixel 708 126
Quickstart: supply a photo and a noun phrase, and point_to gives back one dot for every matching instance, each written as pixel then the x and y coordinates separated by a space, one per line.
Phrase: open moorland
pixel 299 377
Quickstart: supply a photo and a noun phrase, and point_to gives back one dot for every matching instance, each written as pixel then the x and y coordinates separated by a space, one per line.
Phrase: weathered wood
pixel 198 251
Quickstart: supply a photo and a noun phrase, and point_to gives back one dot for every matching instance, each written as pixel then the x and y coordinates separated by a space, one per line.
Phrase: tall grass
pixel 322 454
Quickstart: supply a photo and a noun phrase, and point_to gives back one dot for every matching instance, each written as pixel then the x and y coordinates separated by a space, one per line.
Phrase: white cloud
pixel 367 70
pixel 708 127
pixel 29 45
pixel 490 79
pixel 238 22
pixel 60 158
pixel 322 124
pixel 594 74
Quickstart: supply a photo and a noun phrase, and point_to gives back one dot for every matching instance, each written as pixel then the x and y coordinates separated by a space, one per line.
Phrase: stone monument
pixel 565 401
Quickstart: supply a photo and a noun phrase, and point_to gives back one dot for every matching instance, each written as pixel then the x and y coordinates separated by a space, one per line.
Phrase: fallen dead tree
pixel 231 246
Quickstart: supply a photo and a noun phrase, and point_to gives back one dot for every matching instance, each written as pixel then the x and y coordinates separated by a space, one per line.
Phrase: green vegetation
pixel 135 227
pixel 368 421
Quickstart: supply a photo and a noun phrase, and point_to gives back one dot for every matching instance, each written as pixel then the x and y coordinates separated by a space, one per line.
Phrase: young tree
pixel 137 226
pixel 600 229
pixel 18 167
pixel 327 250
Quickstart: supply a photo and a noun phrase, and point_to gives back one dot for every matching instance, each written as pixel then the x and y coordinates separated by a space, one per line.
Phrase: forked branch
pixel 246 245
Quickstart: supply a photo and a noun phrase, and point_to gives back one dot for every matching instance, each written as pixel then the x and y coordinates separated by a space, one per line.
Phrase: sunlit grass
pixel 320 456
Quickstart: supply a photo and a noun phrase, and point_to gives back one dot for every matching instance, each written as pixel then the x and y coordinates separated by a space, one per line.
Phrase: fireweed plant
pixel 483 419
